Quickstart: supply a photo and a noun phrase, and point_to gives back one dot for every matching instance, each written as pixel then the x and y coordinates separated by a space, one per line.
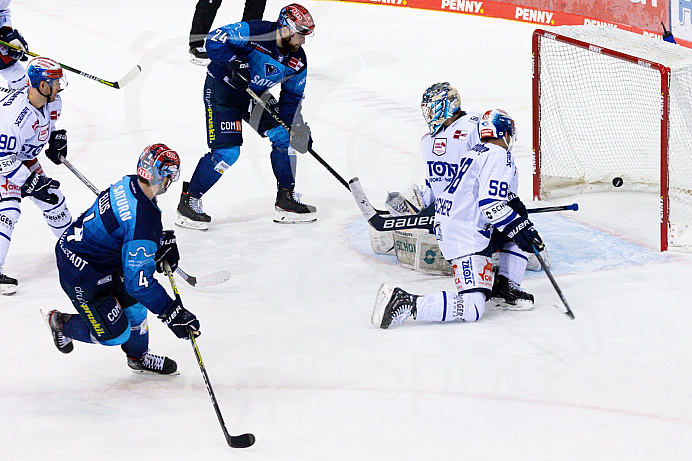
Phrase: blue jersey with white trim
pixel 120 233
pixel 255 41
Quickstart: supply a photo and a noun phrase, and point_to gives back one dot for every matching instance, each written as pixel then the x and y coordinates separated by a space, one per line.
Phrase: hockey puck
pixel 617 182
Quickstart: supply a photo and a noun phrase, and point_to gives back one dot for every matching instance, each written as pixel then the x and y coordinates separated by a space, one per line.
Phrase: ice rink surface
pixel 287 341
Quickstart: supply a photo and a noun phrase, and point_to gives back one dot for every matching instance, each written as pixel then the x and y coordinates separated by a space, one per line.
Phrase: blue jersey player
pixel 106 262
pixel 256 55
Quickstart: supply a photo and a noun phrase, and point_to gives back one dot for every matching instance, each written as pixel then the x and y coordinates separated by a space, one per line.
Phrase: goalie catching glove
pixel 523 233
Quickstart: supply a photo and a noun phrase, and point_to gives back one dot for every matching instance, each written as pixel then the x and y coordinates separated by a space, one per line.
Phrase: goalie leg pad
pixel 382 243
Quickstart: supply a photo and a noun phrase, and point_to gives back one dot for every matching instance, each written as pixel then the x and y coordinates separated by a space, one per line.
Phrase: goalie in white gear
pixel 475 215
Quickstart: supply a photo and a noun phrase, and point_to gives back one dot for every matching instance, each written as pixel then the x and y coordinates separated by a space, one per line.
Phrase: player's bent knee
pixel 118 340
pixel 279 137
pixel 227 155
pixel 473 306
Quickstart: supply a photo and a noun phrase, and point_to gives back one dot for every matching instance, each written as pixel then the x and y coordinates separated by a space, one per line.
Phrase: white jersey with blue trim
pixel 444 149
pixel 5 19
pixel 24 130
pixel 475 201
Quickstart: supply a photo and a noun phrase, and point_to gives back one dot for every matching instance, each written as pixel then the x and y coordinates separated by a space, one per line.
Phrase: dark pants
pixel 205 12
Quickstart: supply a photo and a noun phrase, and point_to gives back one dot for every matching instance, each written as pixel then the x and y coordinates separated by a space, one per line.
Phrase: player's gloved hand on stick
pixel 181 321
pixel 39 187
pixel 521 230
pixel 300 137
pixel 167 252
pixel 13 37
pixel 238 73
pixel 517 205
pixel 57 146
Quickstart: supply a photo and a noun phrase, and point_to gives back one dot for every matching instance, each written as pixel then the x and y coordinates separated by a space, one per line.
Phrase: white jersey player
pixel 453 132
pixel 27 124
pixel 10 68
pixel 473 219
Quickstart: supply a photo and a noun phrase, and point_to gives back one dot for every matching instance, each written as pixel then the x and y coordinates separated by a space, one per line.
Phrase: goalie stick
pixel 234 441
pixel 383 221
pixel 208 280
pixel 127 78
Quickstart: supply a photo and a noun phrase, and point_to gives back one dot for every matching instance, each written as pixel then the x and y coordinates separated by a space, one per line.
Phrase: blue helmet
pixel 45 70
pixel 157 162
pixel 440 102
pixel 495 123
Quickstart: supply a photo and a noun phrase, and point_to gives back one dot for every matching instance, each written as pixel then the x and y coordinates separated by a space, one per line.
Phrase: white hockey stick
pixel 208 280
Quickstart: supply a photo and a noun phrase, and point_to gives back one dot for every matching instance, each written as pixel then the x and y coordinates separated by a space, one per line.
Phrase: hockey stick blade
pixel 215 278
pixel 131 75
pixel 240 441
pixel 381 222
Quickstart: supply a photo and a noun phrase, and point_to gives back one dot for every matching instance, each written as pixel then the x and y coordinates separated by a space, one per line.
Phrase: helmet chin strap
pixel 50 93
pixel 511 141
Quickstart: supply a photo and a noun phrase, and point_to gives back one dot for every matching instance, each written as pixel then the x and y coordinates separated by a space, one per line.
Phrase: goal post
pixel 609 103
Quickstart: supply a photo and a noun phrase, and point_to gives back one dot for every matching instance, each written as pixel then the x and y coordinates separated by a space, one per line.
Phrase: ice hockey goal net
pixel 608 104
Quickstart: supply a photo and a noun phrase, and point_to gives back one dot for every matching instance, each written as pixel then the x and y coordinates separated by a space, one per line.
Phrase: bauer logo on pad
pixel 440 146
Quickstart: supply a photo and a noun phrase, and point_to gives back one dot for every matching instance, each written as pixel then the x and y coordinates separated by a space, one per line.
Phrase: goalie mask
pixel 440 102
pixel 157 162
pixel 495 124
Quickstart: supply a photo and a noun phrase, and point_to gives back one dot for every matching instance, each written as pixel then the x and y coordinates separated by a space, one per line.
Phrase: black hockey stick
pixel 276 117
pixel 127 78
pixel 383 221
pixel 235 441
pixel 569 312
pixel 214 278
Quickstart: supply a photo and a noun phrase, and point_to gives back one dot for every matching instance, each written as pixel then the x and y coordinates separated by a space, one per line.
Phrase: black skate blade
pixel 240 441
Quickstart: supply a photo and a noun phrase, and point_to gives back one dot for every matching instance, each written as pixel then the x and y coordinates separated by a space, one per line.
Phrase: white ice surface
pixel 287 341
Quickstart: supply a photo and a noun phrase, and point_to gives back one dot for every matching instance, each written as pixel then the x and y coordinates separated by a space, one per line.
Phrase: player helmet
pixel 297 19
pixel 157 162
pixel 45 70
pixel 495 123
pixel 440 102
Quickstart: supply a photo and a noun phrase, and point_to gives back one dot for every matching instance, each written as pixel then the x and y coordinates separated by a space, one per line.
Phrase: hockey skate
pixel 400 306
pixel 154 364
pixel 507 295
pixel 290 210
pixel 8 285
pixel 198 55
pixel 55 320
pixel 190 212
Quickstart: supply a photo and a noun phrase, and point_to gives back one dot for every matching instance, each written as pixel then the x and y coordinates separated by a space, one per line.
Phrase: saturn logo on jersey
pixel 439 146
pixel 270 69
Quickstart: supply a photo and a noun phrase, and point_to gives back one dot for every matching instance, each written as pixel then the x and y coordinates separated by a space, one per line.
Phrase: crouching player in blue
pixel 106 262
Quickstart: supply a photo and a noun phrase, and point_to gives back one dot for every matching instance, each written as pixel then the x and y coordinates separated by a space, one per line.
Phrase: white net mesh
pixel 600 118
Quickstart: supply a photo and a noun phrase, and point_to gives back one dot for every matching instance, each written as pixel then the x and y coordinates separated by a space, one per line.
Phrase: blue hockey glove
pixel 13 37
pixel 39 187
pixel 521 230
pixel 517 205
pixel 181 321
pixel 57 146
pixel 300 137
pixel 237 73
pixel 167 252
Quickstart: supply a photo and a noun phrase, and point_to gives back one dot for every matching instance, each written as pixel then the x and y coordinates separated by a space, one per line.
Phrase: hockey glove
pixel 13 37
pixel 181 321
pixel 39 187
pixel 300 137
pixel 517 205
pixel 521 230
pixel 57 146
pixel 167 252
pixel 237 73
